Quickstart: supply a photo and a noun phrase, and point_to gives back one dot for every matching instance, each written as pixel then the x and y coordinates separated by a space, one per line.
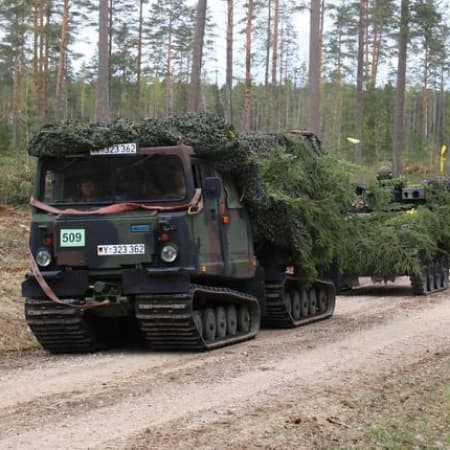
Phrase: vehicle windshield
pixel 113 179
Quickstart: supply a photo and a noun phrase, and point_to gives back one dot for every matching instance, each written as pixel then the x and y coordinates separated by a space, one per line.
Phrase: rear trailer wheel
pixel 243 318
pixel 221 321
pixel 209 324
pixel 312 301
pixel 296 305
pixel 305 303
pixel 231 320
pixel 198 322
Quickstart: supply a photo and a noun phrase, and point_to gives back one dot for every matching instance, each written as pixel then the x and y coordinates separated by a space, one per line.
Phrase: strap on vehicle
pixel 195 203
pixel 50 293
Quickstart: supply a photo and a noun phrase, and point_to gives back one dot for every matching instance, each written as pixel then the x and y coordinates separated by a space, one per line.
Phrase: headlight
pixel 43 257
pixel 169 253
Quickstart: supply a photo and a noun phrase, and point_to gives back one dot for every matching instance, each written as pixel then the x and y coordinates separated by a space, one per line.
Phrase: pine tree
pixel 399 124
pixel 194 91
pixel 14 24
pixel 102 109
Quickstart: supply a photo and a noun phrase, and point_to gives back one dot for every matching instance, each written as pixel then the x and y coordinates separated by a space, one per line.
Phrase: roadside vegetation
pixel 412 414
pixel 16 175
pixel 14 333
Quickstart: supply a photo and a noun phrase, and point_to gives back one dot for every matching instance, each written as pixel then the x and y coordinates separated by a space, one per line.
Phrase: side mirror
pixel 212 187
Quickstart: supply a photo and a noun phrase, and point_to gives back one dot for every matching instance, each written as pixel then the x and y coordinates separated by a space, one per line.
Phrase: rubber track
pixel 276 314
pixel 167 322
pixel 423 286
pixel 58 328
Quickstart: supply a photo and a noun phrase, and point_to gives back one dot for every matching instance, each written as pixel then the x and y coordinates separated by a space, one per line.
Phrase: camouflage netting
pixel 296 200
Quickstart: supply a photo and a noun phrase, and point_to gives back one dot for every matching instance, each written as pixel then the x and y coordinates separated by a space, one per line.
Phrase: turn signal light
pixel 164 237
pixel 226 220
pixel 48 240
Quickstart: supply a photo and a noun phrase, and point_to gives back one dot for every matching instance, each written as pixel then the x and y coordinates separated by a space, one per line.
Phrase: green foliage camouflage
pixel 298 199
pixel 396 239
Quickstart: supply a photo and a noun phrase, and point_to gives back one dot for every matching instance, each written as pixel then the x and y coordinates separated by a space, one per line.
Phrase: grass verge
pixel 14 333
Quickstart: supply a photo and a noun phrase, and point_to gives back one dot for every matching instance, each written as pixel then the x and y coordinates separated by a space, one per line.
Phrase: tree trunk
pixel 61 73
pixel 377 34
pixel 45 77
pixel 16 100
pixel 360 80
pixel 229 69
pixel 268 45
pixel 274 94
pixel 102 110
pixel 137 109
pixel 110 49
pixel 168 77
pixel 425 97
pixel 248 67
pixel 194 92
pixel 314 67
pixel 399 114
pixel 36 37
pixel 276 23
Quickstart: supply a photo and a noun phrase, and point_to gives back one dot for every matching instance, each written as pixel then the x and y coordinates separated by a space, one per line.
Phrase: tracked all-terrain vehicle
pixel 407 223
pixel 153 238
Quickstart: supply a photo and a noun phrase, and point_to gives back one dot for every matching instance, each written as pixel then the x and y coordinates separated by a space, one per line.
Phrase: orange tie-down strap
pixel 50 293
pixel 195 204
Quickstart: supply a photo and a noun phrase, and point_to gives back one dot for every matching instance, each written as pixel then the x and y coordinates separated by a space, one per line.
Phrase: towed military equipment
pixel 402 230
pixel 165 227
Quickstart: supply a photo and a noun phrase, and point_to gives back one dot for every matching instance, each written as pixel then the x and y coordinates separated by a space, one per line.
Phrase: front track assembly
pixel 289 304
pixel 202 319
pixel 433 277
pixel 60 328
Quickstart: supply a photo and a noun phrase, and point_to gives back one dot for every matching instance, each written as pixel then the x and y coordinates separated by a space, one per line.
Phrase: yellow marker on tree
pixel 443 156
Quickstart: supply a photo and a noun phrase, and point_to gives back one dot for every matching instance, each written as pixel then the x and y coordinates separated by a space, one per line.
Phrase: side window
pixel 49 187
pixel 232 195
pixel 197 173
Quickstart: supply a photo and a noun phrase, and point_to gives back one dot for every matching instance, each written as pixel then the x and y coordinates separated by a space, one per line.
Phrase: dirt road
pixel 285 389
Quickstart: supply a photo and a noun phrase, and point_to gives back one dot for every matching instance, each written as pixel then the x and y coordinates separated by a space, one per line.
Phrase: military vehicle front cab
pixel 128 223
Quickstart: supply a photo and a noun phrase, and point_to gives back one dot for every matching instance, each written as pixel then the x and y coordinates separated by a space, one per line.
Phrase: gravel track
pixel 229 398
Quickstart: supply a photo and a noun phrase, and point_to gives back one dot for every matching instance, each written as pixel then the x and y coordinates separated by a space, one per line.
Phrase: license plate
pixel 72 237
pixel 117 149
pixel 121 249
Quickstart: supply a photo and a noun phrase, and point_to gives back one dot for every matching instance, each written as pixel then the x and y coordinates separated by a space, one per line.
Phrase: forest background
pixel 375 88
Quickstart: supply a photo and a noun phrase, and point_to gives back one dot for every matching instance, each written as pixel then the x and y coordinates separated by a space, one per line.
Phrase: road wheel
pixel 231 320
pixel 444 263
pixel 243 318
pixel 305 303
pixel 221 320
pixel 431 277
pixel 438 273
pixel 198 322
pixel 209 324
pixel 288 302
pixel 425 279
pixel 312 301
pixel 322 300
pixel 296 305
